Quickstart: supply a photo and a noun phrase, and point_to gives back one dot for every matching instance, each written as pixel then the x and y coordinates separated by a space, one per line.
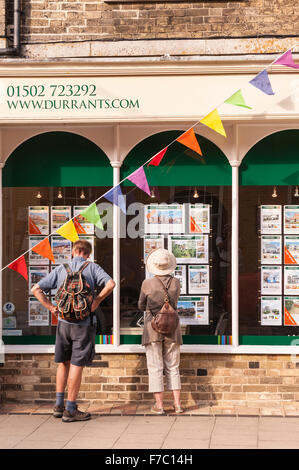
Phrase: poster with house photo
pixel 38 315
pixel 180 273
pixel 291 249
pixel 199 218
pixel 189 248
pixel 36 274
pixel 291 280
pixel 62 249
pixel 164 218
pixel 271 220
pixel 38 220
pixel 291 220
pixel 291 311
pixel 59 216
pixel 271 280
pixel 193 310
pixel 198 278
pixel 271 311
pixel 271 249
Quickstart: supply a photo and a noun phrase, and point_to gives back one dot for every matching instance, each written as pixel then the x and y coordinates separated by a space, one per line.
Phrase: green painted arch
pixel 180 165
pixel 57 159
pixel 274 160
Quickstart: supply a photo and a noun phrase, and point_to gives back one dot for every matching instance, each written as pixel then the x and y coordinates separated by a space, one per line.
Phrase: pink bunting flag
pixel 287 60
pixel 158 158
pixel 138 177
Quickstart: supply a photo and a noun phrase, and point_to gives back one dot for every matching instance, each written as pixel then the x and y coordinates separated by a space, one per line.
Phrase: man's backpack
pixel 74 297
pixel 166 320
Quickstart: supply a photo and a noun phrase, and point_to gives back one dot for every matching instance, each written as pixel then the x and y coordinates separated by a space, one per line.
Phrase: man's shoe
pixel 58 411
pixel 76 415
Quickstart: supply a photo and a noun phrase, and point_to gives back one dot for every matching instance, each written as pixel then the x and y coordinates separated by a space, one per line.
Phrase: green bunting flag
pixel 92 215
pixel 237 99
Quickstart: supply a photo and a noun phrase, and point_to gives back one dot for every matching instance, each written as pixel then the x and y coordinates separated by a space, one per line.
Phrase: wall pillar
pixel 235 253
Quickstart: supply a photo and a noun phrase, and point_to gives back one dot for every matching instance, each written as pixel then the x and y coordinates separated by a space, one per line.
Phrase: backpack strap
pixel 84 265
pixel 67 268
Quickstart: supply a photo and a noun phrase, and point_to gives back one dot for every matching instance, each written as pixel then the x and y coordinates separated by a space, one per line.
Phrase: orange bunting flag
pixel 79 227
pixel 43 249
pixel 19 265
pixel 158 158
pixel 189 140
pixel 213 121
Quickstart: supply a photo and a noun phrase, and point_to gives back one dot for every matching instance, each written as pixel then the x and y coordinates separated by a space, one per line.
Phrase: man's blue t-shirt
pixel 93 273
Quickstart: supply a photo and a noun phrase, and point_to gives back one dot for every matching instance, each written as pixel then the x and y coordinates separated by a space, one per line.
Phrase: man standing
pixel 75 340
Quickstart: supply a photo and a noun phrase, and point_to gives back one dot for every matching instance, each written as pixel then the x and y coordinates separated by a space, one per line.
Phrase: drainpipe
pixel 15 49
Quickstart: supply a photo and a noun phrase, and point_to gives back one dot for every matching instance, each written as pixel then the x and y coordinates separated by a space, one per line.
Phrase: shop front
pixel 229 214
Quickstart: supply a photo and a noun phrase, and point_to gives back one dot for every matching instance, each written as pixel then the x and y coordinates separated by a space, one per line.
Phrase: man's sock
pixel 59 398
pixel 71 406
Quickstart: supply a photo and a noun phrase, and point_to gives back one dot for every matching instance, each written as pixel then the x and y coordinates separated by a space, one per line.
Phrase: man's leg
pixel 62 376
pixel 74 382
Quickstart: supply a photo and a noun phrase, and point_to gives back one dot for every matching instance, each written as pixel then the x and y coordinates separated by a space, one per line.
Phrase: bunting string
pixel 212 120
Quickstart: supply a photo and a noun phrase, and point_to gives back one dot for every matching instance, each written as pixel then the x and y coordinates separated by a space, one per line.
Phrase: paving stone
pixel 180 443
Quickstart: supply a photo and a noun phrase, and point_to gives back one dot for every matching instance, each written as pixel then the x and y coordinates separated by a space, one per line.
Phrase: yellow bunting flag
pixel 189 140
pixel 213 121
pixel 68 231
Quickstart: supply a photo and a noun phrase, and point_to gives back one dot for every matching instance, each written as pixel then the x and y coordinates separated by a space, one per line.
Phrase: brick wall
pixel 207 379
pixel 74 20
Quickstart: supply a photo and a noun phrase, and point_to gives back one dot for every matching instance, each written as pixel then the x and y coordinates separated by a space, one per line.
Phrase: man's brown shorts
pixel 75 343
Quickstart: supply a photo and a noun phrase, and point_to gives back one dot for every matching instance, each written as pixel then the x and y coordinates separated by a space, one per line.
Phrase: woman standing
pixel 162 351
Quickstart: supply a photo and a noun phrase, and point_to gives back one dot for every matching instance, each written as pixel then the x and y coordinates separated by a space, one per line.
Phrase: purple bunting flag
pixel 287 60
pixel 138 177
pixel 116 197
pixel 262 82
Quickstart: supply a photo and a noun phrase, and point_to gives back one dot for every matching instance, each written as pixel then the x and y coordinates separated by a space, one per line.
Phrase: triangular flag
pixel 68 231
pixel 213 121
pixel 189 140
pixel 158 158
pixel 138 177
pixel 33 228
pixel 237 99
pixel 92 215
pixel 287 60
pixel 288 257
pixel 43 249
pixel 288 319
pixel 116 197
pixel 20 267
pixel 80 230
pixel 262 82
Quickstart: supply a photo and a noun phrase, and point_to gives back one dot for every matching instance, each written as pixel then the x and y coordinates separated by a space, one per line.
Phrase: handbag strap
pixel 164 287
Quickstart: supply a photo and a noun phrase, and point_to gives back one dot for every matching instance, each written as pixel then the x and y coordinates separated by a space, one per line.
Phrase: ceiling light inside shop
pixel 296 193
pixel 195 195
pixel 38 196
pixel 153 194
pixel 59 195
pixel 82 195
pixel 274 194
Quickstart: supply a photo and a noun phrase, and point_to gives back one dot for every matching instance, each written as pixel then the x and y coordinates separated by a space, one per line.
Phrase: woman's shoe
pixel 158 411
pixel 178 409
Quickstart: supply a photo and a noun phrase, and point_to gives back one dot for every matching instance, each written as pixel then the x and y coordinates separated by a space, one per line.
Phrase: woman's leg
pixel 171 355
pixel 154 360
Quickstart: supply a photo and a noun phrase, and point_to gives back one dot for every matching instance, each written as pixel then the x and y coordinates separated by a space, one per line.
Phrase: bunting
pixel 213 121
pixel 80 230
pixel 68 231
pixel 139 179
pixel 262 82
pixel 287 60
pixel 92 215
pixel 43 249
pixel 116 197
pixel 158 158
pixel 189 140
pixel 19 265
pixel 237 99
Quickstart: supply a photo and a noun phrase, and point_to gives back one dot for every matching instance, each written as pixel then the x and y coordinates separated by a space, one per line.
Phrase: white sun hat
pixel 161 262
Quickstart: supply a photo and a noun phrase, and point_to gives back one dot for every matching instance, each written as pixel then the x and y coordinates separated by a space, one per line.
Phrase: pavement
pixel 22 427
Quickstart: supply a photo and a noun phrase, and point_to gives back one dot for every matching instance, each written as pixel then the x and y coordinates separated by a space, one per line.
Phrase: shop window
pixel 189 213
pixel 269 241
pixel 33 208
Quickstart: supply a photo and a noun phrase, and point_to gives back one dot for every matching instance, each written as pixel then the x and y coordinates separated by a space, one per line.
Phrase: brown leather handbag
pixel 166 320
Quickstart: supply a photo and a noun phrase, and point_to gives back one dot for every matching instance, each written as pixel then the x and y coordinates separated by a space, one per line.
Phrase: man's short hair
pixel 82 246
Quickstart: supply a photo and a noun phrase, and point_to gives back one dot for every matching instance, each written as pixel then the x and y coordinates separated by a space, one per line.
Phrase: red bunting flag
pixel 19 265
pixel 189 140
pixel 158 158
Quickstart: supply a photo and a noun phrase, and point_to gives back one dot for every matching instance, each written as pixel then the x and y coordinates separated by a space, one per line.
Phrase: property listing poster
pixel 152 242
pixel 271 280
pixel 291 280
pixel 164 218
pixel 62 249
pixel 35 258
pixel 38 314
pixel 193 310
pixel 271 311
pixel 198 278
pixel 271 249
pixel 180 273
pixel 291 249
pixel 291 311
pixel 189 248
pixel 199 218
pixel 38 220
pixel 291 220
pixel 36 274
pixel 59 216
pixel 271 220
pixel 83 227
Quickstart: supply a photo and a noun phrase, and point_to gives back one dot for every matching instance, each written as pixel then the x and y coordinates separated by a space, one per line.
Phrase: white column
pixel 235 252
